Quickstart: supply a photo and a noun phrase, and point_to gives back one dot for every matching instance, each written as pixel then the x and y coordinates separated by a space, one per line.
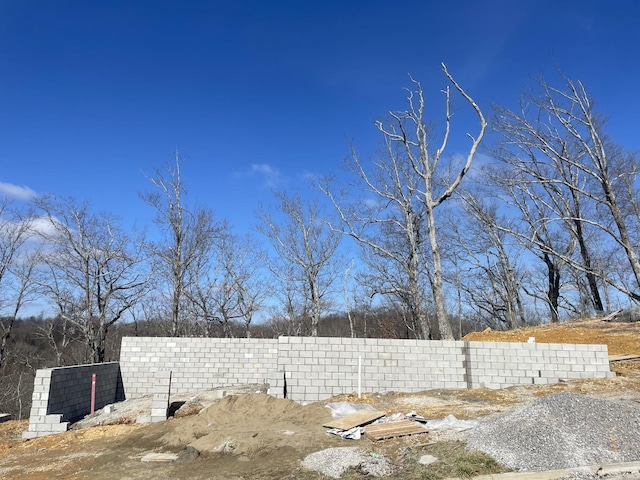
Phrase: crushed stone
pixel 562 430
pixel 334 462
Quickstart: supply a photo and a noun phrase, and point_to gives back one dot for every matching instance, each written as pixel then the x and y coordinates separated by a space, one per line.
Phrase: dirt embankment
pixel 620 338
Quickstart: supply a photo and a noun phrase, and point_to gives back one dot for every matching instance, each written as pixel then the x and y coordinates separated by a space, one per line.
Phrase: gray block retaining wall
pixel 304 369
pixel 501 364
pixel 62 395
pixel 196 363
pixel 308 369
pixel 316 368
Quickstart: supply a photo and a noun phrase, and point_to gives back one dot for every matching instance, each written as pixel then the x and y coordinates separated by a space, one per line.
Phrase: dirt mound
pixel 267 409
pixel 250 424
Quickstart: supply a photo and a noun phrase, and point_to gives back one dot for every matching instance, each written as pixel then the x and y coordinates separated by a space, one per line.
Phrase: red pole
pixel 93 392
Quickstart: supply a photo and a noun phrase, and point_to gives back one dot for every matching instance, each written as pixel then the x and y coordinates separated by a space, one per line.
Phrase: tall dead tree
pixel 187 236
pixel 404 187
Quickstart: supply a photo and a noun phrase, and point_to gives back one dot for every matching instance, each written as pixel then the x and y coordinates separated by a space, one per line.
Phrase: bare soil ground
pixel 255 436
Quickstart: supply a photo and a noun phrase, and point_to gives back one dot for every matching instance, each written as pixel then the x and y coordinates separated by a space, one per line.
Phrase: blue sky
pixel 257 94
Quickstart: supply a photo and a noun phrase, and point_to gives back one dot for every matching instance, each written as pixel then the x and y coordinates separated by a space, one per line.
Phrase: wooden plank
pixel 160 457
pixel 620 357
pixel 356 419
pixel 380 431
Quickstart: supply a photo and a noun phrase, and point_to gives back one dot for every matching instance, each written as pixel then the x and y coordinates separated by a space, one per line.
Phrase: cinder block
pixel 53 419
pixel 59 427
pixel 159 412
pixel 28 435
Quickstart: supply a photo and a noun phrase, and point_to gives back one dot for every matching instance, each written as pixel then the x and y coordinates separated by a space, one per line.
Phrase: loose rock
pixel 334 462
pixel 562 430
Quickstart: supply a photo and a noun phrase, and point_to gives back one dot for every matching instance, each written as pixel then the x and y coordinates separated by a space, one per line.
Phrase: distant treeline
pixel 41 342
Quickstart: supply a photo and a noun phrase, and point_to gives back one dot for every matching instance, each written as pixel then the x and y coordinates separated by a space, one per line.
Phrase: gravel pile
pixel 334 462
pixel 558 431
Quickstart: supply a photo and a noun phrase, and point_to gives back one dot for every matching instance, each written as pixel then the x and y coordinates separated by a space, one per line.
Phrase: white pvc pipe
pixel 359 376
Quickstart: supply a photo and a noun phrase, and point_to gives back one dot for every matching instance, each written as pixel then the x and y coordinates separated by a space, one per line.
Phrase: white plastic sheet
pixel 342 409
pixel 450 422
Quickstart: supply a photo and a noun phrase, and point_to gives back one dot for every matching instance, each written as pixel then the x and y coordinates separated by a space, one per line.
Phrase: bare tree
pixel 391 229
pixel 92 271
pixel 227 286
pixel 187 238
pixel 62 336
pixel 290 315
pixel 537 226
pixel 306 250
pixel 251 285
pixel 349 291
pixel 557 142
pixel 409 182
pixel 493 278
pixel 16 267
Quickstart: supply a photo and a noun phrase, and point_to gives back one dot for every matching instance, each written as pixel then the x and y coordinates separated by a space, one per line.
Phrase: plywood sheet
pixel 355 419
pixel 380 431
pixel 620 357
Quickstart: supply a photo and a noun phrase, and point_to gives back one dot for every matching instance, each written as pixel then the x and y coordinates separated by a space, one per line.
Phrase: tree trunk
pixel 446 333
pixel 553 287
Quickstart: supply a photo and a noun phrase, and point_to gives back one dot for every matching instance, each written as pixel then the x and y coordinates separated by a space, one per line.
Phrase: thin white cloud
pixel 15 191
pixel 43 226
pixel 271 175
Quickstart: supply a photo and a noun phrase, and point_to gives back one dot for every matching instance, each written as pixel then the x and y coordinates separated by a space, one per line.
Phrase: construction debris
pixel 378 426
pixel 342 409
pixel 627 315
pixel 450 423
pixel 621 357
pixel 355 420
pixel 351 434
pixel 383 431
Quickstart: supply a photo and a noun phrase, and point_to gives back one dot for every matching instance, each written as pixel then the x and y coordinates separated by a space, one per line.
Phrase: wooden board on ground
pixel 355 419
pixel 623 356
pixel 160 457
pixel 380 431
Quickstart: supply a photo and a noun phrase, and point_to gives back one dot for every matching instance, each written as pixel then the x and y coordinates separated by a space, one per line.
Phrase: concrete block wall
pixel 196 363
pixel 307 369
pixel 501 365
pixel 61 395
pixel 312 369
pixel 304 369
pixel 162 391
